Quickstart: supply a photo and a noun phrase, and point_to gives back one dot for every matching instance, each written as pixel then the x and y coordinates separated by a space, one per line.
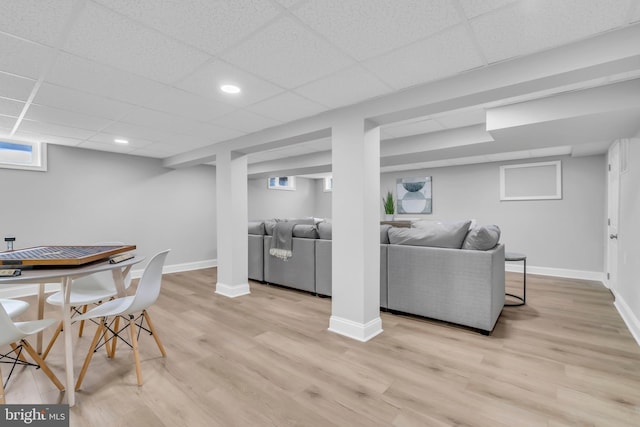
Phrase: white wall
pixel 90 196
pixel 558 236
pixel 627 290
pixel 265 203
pixel 323 200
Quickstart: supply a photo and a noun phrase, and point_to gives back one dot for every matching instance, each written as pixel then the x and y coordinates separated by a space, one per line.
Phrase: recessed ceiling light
pixel 121 141
pixel 230 89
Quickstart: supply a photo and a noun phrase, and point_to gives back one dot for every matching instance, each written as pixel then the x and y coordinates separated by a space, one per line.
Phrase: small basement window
pixel 328 183
pixel 281 183
pixel 23 155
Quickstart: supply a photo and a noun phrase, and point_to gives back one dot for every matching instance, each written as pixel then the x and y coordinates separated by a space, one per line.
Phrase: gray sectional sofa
pixel 443 271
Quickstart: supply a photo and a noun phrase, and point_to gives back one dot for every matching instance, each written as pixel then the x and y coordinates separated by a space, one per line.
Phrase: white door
pixel 613 183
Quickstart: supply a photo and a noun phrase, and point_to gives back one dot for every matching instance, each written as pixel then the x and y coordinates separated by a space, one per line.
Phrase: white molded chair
pixel 146 295
pixel 93 289
pixel 14 307
pixel 11 333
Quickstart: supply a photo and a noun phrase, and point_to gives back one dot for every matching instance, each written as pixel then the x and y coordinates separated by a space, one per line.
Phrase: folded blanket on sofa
pixel 282 240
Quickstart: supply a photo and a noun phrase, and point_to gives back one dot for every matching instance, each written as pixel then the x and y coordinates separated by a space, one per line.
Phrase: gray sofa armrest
pixel 454 285
pixel 256 258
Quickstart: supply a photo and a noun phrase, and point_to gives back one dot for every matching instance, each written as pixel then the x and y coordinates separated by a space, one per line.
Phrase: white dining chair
pixel 12 333
pixel 128 307
pixel 85 291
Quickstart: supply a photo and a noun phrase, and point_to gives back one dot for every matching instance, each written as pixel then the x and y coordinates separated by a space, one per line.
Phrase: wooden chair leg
pixel 92 349
pixel 114 340
pixel 43 365
pixel 153 332
pixel 84 310
pixel 2 400
pixel 52 341
pixel 136 355
pixel 20 355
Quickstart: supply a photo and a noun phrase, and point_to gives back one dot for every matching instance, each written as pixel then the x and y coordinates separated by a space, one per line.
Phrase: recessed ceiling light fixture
pixel 230 89
pixel 120 141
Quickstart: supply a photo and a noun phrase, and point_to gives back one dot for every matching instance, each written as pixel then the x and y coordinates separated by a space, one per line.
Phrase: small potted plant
pixel 389 207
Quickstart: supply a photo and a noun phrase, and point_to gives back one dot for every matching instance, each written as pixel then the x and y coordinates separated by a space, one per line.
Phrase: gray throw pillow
pixel 256 227
pixel 324 230
pixel 305 231
pixel 384 235
pixel 438 234
pixel 482 238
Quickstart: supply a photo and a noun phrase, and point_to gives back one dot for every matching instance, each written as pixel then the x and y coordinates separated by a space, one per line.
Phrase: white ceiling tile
pixel 177 124
pixel 528 27
pixel 7 122
pixel 206 81
pixel 286 107
pixel 446 53
pixel 109 38
pixel 22 57
pixel 81 102
pixel 41 113
pixel 287 54
pixel 289 3
pixel 345 87
pixel 10 107
pixel 210 25
pixel 44 137
pixel 365 28
pixel 39 20
pixel 635 13
pixel 15 87
pixel 156 150
pixel 112 148
pixel 413 127
pixel 92 77
pixel 109 138
pixel 473 8
pixel 187 104
pixel 133 132
pixel 54 130
pixel 245 121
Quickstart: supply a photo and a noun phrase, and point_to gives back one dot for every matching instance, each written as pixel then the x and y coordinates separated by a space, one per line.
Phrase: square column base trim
pixel 358 331
pixel 232 291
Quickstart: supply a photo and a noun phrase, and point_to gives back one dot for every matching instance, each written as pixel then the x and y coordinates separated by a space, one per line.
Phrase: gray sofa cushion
pixel 384 236
pixel 482 238
pixel 324 230
pixel 256 227
pixel 439 234
pixel 305 231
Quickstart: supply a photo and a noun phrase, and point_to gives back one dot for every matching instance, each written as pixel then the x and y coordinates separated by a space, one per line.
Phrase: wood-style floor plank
pixel 268 359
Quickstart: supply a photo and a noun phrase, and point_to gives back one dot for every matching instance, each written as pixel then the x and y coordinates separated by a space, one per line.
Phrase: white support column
pixel 355 304
pixel 232 213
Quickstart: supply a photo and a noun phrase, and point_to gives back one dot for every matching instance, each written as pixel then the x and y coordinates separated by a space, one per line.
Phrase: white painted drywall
pixel 628 286
pixel 91 196
pixel 556 234
pixel 265 203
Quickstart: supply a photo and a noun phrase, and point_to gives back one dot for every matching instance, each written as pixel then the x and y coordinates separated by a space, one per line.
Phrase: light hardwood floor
pixel 267 359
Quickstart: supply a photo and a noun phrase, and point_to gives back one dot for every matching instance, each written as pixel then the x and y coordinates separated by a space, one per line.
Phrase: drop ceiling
pixel 84 72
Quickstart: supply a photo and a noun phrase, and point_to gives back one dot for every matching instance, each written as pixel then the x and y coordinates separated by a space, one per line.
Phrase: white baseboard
pixel 19 291
pixel 358 331
pixel 232 291
pixel 597 276
pixel 630 319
